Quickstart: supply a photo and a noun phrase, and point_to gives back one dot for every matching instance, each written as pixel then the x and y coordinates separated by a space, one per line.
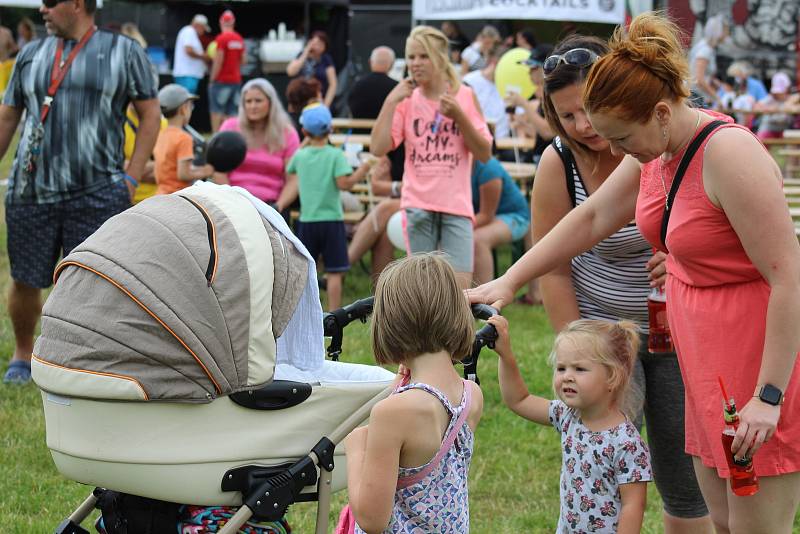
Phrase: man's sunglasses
pixel 577 57
pixel 50 4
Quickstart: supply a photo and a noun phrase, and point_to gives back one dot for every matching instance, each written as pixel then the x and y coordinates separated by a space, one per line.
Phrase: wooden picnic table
pixel 510 143
pixel 340 124
pixel 338 139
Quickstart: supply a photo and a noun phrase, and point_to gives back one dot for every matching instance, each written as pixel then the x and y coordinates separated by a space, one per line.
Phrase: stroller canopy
pixel 171 300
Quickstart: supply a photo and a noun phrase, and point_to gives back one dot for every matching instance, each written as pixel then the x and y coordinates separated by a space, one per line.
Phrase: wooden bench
pixel 344 124
pixel 338 139
pixel 511 143
pixel 522 173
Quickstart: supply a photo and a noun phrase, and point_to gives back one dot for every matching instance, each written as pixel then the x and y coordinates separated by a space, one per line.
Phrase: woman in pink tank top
pixel 733 286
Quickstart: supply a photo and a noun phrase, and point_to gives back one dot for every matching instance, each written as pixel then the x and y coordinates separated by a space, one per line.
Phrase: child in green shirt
pixel 322 170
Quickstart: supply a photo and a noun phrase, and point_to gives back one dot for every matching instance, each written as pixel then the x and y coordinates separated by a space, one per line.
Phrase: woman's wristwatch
pixel 771 395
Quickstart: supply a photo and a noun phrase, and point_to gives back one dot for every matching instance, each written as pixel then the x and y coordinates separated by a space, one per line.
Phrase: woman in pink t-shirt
pixel 271 142
pixel 440 123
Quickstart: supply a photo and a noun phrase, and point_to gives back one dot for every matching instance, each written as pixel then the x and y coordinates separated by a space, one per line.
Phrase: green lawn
pixel 514 475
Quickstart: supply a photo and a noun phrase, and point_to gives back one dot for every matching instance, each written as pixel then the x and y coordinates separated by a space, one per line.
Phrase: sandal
pixel 526 300
pixel 18 372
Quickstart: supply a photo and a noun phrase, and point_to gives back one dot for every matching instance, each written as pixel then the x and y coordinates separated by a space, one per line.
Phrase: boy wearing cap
pixel 173 151
pixel 226 76
pixel 320 171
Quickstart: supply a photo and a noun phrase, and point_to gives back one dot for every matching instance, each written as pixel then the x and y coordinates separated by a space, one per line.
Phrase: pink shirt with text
pixel 438 166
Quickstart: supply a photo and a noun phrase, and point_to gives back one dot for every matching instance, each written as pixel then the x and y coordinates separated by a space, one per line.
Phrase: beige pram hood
pixel 180 298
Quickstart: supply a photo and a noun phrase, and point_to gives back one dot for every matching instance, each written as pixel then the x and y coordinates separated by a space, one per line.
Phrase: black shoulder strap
pixel 568 160
pixel 684 164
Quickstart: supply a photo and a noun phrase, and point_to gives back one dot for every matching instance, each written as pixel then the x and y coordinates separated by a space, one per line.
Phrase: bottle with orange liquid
pixel 743 479
pixel 659 339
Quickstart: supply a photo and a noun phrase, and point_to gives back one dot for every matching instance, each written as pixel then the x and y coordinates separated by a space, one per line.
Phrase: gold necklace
pixel 661 161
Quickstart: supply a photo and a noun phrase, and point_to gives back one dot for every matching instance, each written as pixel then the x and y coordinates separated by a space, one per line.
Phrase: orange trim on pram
pixel 145 308
pixel 123 377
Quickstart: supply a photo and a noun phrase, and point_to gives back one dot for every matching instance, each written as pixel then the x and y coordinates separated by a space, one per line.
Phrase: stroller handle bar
pixel 334 323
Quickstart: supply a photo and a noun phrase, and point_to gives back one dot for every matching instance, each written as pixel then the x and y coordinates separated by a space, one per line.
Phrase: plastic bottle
pixel 659 339
pixel 743 479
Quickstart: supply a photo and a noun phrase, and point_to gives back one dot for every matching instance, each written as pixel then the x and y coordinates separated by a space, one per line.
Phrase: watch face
pixel 770 394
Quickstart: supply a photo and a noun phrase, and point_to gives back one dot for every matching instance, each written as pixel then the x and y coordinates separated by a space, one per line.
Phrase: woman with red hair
pixel 733 284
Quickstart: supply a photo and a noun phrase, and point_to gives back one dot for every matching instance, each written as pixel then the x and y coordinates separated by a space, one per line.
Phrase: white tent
pixel 608 11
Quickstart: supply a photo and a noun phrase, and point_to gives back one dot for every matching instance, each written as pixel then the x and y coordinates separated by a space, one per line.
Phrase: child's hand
pixel 502 346
pixel 401 91
pixel 448 106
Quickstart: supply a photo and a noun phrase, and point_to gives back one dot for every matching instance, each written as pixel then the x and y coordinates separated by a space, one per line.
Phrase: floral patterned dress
pixel 594 466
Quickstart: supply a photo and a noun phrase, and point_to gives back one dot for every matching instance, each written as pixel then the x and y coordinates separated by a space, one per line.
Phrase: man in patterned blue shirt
pixel 68 175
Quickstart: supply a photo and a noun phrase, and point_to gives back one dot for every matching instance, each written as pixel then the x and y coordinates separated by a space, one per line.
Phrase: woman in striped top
pixel 610 281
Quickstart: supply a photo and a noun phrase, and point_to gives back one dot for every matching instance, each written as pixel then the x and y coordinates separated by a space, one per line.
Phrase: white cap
pixel 201 19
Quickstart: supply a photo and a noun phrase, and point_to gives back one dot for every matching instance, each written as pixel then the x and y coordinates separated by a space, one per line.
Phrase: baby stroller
pixel 181 359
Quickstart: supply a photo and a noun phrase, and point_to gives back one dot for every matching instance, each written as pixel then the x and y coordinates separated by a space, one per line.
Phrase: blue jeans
pixel 224 98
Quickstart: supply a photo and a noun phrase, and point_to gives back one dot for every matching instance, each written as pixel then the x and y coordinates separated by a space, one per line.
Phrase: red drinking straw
pixel 724 393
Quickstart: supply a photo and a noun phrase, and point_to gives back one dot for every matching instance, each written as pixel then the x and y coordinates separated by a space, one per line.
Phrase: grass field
pixel 513 479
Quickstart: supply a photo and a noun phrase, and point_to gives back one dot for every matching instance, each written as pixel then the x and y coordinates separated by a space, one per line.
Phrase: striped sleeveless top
pixel 610 280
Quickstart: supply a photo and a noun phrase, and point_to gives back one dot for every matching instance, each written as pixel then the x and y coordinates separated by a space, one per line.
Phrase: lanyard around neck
pixel 60 69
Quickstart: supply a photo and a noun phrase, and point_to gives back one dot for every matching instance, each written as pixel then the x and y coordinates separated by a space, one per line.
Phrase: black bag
pixel 129 514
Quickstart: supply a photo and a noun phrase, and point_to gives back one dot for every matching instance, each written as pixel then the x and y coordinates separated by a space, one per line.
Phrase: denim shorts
pixel 432 230
pixel 39 234
pixel 223 98
pixel 518 224
pixel 326 238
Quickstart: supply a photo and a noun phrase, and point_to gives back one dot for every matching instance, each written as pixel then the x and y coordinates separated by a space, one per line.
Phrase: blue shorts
pixel 39 234
pixel 328 238
pixel 223 98
pixel 190 83
pixel 517 223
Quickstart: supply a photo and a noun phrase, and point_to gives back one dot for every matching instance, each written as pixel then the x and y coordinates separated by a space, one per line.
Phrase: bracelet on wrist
pixel 131 180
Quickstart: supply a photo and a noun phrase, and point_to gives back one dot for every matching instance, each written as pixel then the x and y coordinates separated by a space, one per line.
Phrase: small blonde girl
pixel 412 460
pixel 605 464
pixel 440 124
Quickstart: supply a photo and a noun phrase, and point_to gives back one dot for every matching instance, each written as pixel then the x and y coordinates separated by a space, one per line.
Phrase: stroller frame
pixel 269 491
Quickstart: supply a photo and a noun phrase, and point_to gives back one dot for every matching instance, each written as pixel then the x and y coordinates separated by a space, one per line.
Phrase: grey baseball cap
pixel 173 96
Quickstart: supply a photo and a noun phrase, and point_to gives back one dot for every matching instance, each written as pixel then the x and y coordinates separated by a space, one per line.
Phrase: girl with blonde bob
pixel 412 460
pixel 271 142
pixel 440 124
pixel 605 464
pixel 733 284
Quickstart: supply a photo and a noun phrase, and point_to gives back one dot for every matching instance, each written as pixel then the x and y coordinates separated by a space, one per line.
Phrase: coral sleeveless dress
pixel 717 309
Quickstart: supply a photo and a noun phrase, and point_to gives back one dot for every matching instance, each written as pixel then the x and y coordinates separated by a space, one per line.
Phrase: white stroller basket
pixel 160 370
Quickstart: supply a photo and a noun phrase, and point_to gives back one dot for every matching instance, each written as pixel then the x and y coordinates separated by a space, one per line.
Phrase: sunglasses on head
pixel 577 57
pixel 50 4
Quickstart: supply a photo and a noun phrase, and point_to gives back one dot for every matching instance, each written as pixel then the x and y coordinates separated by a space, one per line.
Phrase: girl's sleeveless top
pixel 434 497
pixel 610 280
